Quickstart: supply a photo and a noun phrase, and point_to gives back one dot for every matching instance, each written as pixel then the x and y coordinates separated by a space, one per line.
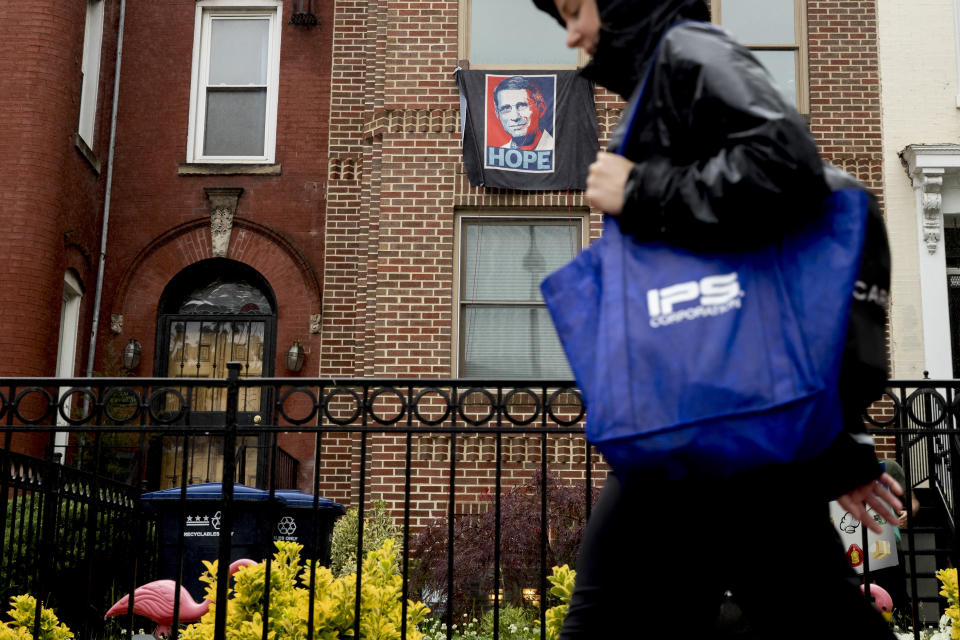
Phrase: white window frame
pixel 67 350
pixel 271 9
pixel 801 35
pixel 90 70
pixel 463 45
pixel 514 216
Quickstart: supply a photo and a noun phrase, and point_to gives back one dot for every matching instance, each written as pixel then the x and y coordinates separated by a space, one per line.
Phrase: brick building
pixel 56 89
pixel 345 221
pixel 214 248
pixel 398 298
pixel 922 184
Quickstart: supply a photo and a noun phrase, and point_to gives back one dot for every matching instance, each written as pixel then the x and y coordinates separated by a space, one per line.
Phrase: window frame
pixel 463 47
pixel 206 9
pixel 90 71
pixel 580 217
pixel 69 337
pixel 800 46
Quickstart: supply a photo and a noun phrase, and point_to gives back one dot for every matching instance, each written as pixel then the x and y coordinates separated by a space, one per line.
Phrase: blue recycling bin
pixel 257 522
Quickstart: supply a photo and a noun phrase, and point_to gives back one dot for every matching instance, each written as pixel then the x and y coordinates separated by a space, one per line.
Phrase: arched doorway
pixel 213 312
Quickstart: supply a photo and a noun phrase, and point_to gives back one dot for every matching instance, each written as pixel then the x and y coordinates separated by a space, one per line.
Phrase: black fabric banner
pixel 530 130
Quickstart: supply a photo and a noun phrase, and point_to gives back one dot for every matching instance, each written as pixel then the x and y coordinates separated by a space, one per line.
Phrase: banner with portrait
pixel 533 130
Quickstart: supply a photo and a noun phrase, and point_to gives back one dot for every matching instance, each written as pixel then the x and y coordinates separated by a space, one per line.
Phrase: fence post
pixel 51 488
pixel 226 509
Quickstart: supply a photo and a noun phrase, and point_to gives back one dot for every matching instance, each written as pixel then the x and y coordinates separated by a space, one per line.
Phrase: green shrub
pixel 22 613
pixel 377 529
pixel 334 600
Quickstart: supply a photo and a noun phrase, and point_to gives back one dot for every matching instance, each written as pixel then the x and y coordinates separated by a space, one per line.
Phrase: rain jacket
pixel 722 161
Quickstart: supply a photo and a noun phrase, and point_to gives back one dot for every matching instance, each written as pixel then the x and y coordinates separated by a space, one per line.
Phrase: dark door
pixel 221 313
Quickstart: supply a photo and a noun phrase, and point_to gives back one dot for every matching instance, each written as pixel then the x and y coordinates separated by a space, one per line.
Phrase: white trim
pixel 67 348
pixel 90 69
pixel 271 9
pixel 926 166
pixel 956 43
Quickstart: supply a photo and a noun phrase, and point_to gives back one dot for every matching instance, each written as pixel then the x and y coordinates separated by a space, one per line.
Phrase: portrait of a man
pixel 520 105
pixel 520 123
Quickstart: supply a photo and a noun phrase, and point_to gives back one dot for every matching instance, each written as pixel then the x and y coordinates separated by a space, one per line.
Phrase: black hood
pixel 629 33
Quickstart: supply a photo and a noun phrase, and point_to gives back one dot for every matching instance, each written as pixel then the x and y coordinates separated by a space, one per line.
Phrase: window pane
pixel 199 349
pixel 508 342
pixel 238 51
pixel 516 33
pixel 226 297
pixel 782 65
pixel 760 21
pixel 509 261
pixel 90 70
pixel 235 122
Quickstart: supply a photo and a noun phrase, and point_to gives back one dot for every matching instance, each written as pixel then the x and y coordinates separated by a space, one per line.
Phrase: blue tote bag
pixel 711 362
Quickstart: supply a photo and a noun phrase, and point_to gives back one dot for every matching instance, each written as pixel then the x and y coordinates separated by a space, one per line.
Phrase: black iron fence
pixel 488 484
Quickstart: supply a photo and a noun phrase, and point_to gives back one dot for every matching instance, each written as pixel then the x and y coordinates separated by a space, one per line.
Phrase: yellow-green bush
pixel 22 613
pixel 334 604
pixel 562 580
pixel 949 590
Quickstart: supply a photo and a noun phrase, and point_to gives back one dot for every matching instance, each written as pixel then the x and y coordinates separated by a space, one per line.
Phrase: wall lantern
pixel 303 14
pixel 131 355
pixel 295 357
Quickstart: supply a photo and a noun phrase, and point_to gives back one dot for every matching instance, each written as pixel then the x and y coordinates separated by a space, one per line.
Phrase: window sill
pixel 87 153
pixel 211 169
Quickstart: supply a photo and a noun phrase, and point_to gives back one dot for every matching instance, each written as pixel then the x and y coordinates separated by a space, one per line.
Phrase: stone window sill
pixel 87 153
pixel 210 169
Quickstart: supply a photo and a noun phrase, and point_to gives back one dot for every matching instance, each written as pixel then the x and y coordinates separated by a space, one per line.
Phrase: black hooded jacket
pixel 722 161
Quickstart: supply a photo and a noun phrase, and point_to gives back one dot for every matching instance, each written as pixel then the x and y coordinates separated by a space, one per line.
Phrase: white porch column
pixel 927 165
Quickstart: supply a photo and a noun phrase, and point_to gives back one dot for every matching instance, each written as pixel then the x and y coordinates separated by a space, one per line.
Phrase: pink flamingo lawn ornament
pixel 881 600
pixel 154 600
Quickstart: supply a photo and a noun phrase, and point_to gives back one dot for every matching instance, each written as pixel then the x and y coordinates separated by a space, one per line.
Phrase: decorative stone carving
pixel 929 183
pixel 223 206
pixel 315 323
pixel 116 323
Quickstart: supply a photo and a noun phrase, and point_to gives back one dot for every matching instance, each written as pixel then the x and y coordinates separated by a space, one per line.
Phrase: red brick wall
pixel 845 86
pixel 396 182
pixel 151 200
pixel 51 198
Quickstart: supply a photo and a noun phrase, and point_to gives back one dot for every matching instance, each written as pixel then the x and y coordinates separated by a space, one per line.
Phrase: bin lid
pixel 207 491
pixel 301 500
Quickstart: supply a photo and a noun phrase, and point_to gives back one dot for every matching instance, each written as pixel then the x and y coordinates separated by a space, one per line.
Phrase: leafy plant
pixel 562 580
pixel 334 600
pixel 520 527
pixel 950 591
pixel 377 529
pixel 23 615
pixel 515 623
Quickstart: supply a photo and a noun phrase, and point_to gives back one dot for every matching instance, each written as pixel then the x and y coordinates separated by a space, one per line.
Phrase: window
pixel 505 328
pixel 67 348
pixel 90 70
pixel 775 30
pixel 236 69
pixel 507 34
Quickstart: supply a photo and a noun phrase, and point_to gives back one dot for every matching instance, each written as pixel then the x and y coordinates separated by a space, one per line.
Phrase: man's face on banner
pixel 519 114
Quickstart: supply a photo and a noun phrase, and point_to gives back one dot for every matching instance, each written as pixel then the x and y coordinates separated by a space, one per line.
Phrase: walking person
pixel 713 158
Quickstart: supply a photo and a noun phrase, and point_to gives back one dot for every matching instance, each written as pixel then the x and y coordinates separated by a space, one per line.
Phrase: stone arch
pixel 291 276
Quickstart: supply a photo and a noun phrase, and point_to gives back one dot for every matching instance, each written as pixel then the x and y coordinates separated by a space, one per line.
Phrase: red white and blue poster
pixel 527 130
